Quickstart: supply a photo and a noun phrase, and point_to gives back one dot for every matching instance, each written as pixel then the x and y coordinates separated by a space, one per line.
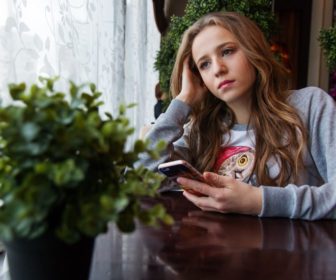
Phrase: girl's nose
pixel 219 67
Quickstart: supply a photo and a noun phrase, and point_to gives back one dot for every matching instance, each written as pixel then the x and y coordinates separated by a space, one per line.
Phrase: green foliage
pixel 257 10
pixel 328 43
pixel 63 168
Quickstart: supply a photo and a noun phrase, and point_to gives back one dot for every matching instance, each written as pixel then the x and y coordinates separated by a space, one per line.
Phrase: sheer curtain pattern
pixel 139 80
pixel 110 43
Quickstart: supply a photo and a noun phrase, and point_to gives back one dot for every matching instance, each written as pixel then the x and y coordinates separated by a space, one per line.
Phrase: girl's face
pixel 224 67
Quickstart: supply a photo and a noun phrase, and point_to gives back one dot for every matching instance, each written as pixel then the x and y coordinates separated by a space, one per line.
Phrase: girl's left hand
pixel 223 194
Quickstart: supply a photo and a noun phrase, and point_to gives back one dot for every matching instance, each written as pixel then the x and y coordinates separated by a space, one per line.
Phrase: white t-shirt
pixel 236 157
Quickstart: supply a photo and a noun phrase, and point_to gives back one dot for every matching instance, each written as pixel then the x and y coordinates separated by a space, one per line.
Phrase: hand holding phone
pixel 181 168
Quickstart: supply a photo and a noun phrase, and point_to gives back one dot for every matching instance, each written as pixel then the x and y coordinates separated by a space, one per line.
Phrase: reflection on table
pixel 203 245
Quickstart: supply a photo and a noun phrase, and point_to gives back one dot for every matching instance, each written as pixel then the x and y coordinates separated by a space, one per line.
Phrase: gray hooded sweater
pixel 314 197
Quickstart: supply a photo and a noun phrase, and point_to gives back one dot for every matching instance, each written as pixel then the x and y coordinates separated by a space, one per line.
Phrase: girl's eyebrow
pixel 217 48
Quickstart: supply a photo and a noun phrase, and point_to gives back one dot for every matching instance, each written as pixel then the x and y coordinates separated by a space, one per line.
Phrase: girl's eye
pixel 204 65
pixel 226 52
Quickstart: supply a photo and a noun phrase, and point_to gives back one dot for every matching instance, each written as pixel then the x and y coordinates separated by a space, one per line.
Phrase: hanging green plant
pixel 257 10
pixel 328 43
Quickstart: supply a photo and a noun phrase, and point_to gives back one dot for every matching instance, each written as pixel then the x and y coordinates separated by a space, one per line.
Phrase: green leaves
pixel 30 131
pixel 63 167
pixel 257 10
pixel 62 174
pixel 16 90
pixel 328 43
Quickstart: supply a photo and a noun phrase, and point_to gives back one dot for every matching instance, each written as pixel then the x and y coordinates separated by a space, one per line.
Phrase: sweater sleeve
pixel 170 128
pixel 307 201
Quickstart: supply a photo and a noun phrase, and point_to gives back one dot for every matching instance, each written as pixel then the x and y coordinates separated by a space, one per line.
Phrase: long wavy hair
pixel 278 129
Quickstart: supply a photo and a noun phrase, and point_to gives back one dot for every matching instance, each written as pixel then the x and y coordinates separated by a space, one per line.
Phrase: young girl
pixel 263 149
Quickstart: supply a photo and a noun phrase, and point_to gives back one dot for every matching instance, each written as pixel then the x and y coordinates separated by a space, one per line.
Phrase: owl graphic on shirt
pixel 236 162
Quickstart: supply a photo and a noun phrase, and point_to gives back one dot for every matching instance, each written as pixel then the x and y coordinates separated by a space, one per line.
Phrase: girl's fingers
pixel 195 186
pixel 218 181
pixel 205 203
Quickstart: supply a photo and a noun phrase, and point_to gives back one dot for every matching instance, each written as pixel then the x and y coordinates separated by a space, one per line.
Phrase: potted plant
pixel 64 175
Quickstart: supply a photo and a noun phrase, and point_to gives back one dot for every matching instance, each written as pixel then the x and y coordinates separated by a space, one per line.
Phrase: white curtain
pixel 110 43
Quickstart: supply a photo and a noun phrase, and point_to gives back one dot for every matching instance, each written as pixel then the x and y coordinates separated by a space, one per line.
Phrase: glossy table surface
pixel 203 245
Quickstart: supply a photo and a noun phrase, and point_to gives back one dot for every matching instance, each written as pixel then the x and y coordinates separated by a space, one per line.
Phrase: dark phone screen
pixel 179 170
pixel 176 170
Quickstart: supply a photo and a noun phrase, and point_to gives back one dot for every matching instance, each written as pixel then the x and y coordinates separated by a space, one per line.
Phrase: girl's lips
pixel 225 83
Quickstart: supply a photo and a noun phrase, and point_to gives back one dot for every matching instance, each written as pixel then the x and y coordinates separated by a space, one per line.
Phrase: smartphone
pixel 181 168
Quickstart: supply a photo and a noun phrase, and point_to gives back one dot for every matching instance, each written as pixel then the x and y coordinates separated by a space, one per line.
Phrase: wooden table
pixel 202 245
